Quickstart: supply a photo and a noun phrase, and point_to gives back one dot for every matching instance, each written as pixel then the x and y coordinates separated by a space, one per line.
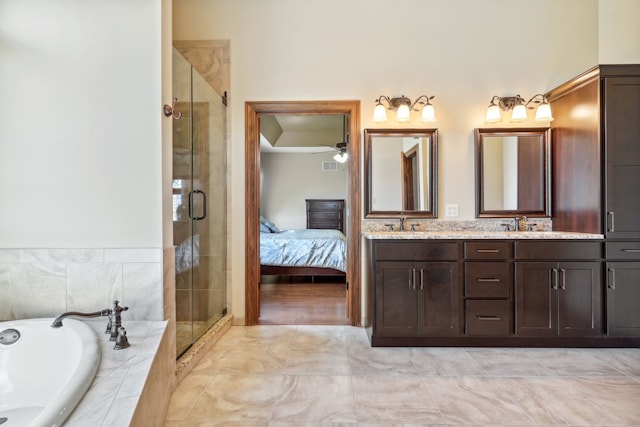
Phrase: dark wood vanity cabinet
pixel 520 292
pixel 416 289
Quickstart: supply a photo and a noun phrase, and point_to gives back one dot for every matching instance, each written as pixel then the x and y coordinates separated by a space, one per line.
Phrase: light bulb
pixel 428 113
pixel 341 157
pixel 379 113
pixel 403 114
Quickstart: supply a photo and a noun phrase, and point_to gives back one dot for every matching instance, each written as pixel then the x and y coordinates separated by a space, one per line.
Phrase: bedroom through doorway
pixel 303 187
pixel 291 171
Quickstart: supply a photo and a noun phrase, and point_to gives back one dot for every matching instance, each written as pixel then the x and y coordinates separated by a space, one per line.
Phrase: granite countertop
pixel 478 234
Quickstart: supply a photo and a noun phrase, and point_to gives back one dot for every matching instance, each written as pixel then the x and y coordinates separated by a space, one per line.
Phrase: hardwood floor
pixel 300 301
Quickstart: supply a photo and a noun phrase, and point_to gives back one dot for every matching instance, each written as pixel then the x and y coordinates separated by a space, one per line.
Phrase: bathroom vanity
pixel 496 289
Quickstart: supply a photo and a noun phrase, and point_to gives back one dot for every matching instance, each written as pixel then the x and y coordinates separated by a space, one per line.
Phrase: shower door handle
pixel 204 205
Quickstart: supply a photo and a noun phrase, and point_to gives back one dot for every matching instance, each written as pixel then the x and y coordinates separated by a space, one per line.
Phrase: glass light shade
pixel 341 157
pixel 519 113
pixel 428 113
pixel 403 114
pixel 379 113
pixel 493 114
pixel 543 113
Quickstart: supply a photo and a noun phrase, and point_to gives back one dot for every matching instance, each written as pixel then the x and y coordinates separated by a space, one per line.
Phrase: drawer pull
pixel 490 318
pixel 488 280
pixel 633 251
pixel 488 251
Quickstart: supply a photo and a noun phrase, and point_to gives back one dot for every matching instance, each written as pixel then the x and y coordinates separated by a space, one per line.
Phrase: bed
pixel 304 252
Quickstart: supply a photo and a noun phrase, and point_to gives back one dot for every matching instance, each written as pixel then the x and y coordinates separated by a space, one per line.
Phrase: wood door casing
pixel 253 110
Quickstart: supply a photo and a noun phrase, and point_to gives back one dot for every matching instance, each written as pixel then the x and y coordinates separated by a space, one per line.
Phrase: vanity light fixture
pixel 403 107
pixel 518 108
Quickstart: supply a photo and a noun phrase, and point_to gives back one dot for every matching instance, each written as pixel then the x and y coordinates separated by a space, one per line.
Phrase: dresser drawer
pixel 488 250
pixel 325 216
pixel 325 205
pixel 487 279
pixel 488 318
pixel 623 250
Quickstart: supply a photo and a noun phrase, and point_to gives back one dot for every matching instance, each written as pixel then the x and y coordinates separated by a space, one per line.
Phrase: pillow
pixel 264 228
pixel 271 226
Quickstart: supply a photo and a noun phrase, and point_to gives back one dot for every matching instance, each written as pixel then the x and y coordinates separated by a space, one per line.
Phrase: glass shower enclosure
pixel 199 203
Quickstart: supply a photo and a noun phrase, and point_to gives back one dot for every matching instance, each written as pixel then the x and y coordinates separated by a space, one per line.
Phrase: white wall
pixel 619 32
pixel 462 51
pixel 81 155
pixel 289 179
pixel 80 124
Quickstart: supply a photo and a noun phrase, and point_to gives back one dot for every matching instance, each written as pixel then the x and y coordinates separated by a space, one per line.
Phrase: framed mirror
pixel 513 172
pixel 401 173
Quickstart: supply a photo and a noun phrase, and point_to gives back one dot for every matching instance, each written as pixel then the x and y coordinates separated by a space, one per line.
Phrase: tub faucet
pixel 58 320
pixel 115 321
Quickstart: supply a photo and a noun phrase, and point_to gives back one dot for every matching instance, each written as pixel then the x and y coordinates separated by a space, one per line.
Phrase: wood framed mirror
pixel 401 173
pixel 513 175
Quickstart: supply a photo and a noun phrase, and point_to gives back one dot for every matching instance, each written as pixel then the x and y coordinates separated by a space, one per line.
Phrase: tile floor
pixel 283 376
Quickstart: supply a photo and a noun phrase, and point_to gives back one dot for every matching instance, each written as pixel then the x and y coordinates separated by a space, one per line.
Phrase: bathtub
pixel 46 372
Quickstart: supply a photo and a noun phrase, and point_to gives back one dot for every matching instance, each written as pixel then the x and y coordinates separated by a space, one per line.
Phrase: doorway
pixel 253 111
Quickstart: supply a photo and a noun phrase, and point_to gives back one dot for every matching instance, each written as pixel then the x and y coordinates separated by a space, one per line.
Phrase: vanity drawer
pixel 623 250
pixel 487 279
pixel 407 250
pixel 488 318
pixel 488 250
pixel 554 250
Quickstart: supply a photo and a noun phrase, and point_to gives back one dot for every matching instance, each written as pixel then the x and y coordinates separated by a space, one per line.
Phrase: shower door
pixel 199 204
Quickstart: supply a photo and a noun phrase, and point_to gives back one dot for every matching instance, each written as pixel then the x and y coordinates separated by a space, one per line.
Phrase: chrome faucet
pixel 402 223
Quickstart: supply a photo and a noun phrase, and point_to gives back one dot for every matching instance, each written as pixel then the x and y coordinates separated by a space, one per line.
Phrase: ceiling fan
pixel 341 155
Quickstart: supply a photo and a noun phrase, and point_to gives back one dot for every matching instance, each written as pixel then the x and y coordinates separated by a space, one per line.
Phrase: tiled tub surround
pixel 133 385
pixel 46 282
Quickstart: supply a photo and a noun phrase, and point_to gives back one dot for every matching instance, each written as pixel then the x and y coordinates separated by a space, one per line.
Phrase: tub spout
pixel 58 321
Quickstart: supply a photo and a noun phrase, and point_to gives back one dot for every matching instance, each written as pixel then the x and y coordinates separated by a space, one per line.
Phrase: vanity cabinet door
pixel 579 302
pixel 396 291
pixel 558 299
pixel 416 299
pixel 623 299
pixel 621 128
pixel 438 299
pixel 536 299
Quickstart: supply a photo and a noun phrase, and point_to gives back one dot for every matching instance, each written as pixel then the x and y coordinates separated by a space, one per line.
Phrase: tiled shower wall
pixel 47 282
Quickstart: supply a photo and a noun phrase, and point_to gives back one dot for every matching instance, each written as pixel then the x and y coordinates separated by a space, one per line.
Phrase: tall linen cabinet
pixel 596 179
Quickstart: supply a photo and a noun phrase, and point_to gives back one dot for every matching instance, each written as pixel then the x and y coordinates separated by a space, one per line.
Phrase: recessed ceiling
pixel 303 133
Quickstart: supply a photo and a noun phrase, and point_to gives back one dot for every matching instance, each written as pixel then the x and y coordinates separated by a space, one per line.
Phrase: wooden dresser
pixel 325 213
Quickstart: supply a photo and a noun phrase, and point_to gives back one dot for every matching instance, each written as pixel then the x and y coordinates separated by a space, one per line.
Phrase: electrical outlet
pixel 451 210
